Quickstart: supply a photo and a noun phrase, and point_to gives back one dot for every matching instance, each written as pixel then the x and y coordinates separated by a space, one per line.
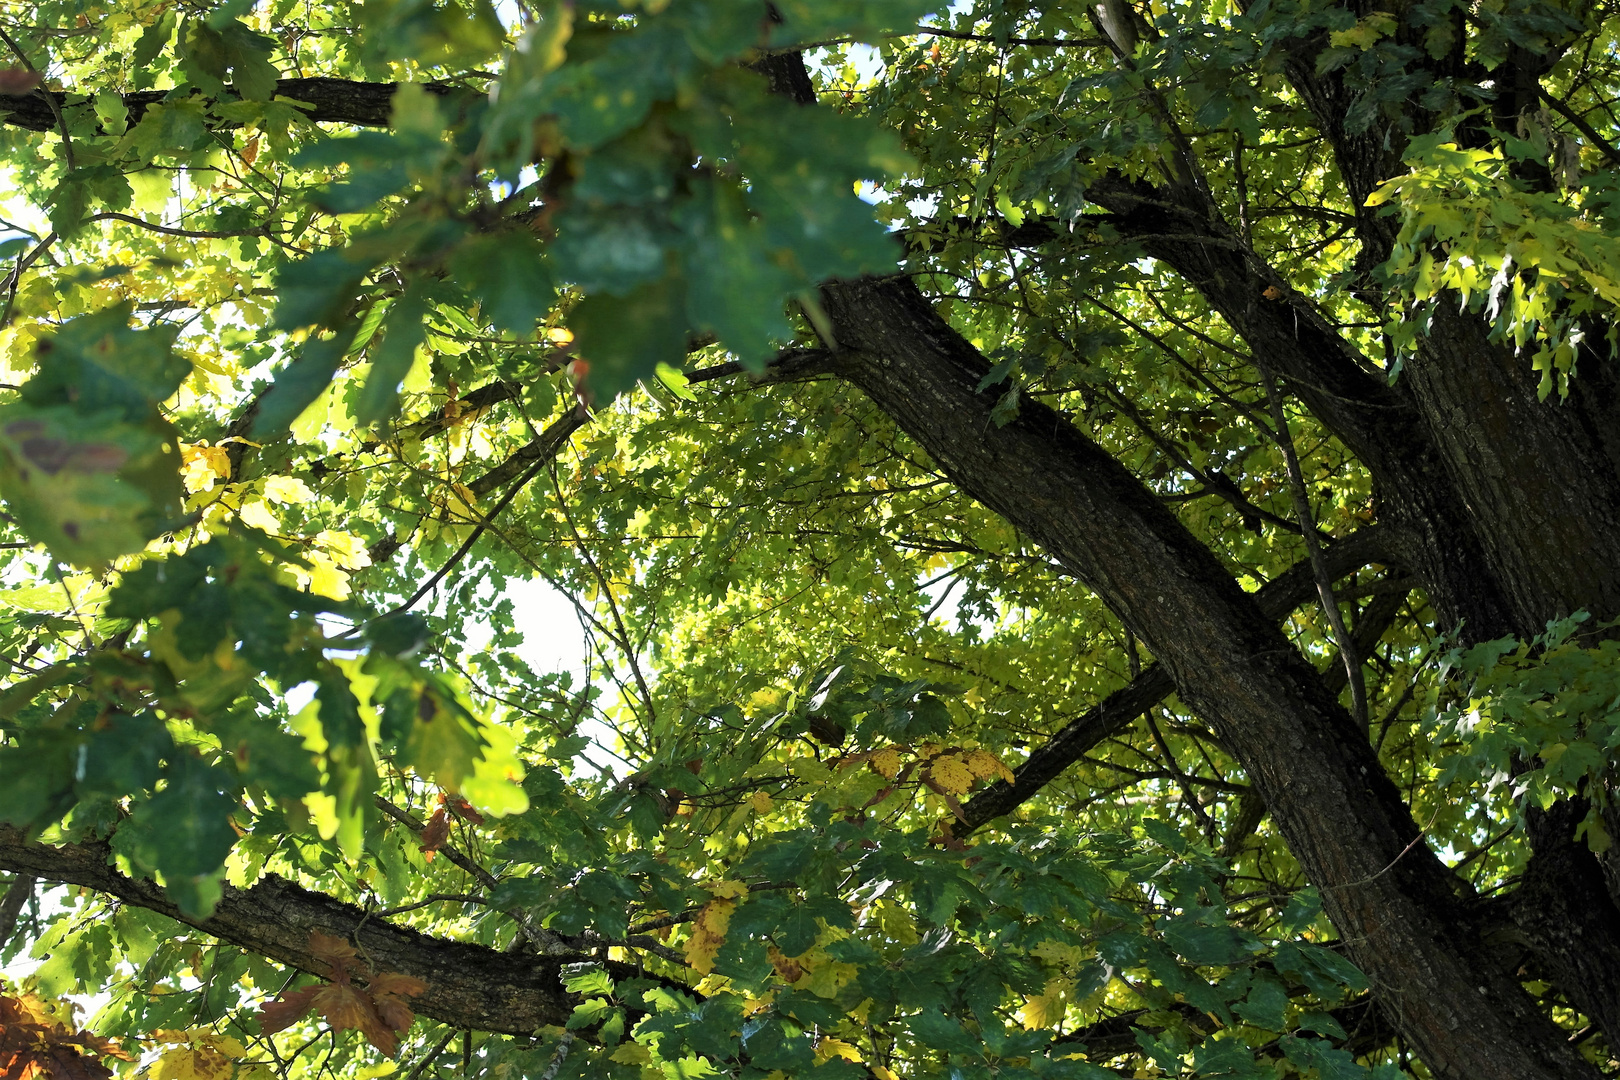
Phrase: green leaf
pixel 203 56
pixel 508 276
pixel 203 796
pixel 155 38
pixel 624 339
pixel 248 55
pixel 298 384
pixel 403 330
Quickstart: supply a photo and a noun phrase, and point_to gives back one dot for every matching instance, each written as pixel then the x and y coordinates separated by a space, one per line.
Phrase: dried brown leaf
pixel 435 832
pixel 287 1010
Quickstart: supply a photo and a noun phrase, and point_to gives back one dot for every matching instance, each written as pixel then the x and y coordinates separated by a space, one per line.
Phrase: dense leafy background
pixel 267 380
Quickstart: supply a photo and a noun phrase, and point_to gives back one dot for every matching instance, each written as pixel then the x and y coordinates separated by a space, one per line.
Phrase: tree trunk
pixel 1390 898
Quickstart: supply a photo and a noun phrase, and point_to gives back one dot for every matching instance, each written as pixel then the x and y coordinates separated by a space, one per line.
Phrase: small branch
pixel 1581 126
pixel 427 1059
pixel 433 899
pixel 11 905
pixel 1324 580
pixel 548 943
pixel 50 99
pixel 483 524
pixel 1040 42
pixel 191 234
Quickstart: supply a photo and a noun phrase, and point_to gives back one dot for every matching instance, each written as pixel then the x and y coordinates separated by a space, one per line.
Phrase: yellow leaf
pixel 951 774
pixel 257 514
pixel 887 762
pixel 287 489
pixel 201 465
pixel 347 549
pixel 761 802
pixel 325 579
pixel 984 765
pixel 830 1047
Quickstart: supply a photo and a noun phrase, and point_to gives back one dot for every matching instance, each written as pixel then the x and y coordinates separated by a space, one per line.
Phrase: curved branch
pixel 469 986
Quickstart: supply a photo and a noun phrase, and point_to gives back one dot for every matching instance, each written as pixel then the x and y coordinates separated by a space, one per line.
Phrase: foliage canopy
pixel 1092 527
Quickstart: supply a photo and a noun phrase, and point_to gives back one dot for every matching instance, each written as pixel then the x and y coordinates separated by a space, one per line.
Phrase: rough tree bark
pixel 468 985
pixel 1393 902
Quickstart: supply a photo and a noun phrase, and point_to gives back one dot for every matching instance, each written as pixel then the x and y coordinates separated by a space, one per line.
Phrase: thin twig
pixel 558 1057
pixel 461 552
pixel 50 99
pixel 1324 580
pixel 431 1054
pixel 1581 125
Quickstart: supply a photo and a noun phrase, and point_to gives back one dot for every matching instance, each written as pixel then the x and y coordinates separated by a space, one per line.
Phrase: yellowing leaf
pixel 1056 952
pixel 760 801
pixel 887 762
pixel 1365 34
pixel 728 890
pixel 708 934
pixel 1047 1008
pixel 951 774
pixel 827 977
pixel 985 765
pixel 287 489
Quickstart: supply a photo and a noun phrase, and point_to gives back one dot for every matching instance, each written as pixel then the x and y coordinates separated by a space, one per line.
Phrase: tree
pixel 1096 528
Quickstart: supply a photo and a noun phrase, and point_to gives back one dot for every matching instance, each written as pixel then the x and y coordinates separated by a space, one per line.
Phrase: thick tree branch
pixel 336 101
pixel 1120 709
pixel 469 986
pixel 1348 825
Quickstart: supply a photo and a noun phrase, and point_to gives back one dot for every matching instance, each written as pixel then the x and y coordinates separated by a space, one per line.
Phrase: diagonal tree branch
pixel 469 986
pixel 1119 710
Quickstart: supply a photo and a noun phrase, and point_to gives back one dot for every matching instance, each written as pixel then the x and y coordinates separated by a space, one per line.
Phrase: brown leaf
pixel 65 1063
pixel 435 832
pixel 388 993
pixel 395 1013
pixel 394 984
pixel 16 82
pixel 464 810
pixel 344 1005
pixel 285 1011
pixel 335 952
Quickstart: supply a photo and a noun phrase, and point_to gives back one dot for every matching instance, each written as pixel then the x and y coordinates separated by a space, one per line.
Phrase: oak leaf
pixel 435 833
